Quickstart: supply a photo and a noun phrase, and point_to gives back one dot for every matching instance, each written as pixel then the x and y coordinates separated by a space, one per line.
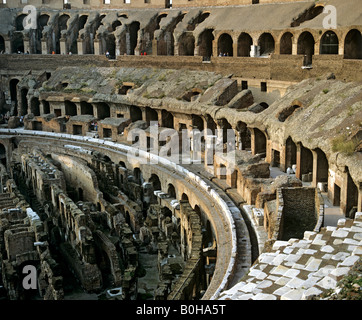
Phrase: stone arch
pixel 2 44
pixel 259 141
pixel 167 119
pixel 62 25
pixel 137 174
pixel 24 101
pixel 351 196
pixel 111 45
pixel 103 110
pixel 305 163
pixel 197 122
pixel 266 43
pixel 171 191
pixel 211 124
pixel 82 21
pixel 353 45
pixel 17 42
pixel 205 40
pixel 14 90
pixel 70 108
pixel 133 36
pixel 135 113
pixel 19 22
pixel 46 106
pixel 224 126
pixel 156 184
pixel 320 167
pixel 244 135
pixel 151 115
pixel 306 44
pixel 3 154
pixel 290 153
pixel 286 43
pixel 184 197
pixel 186 44
pixel 245 42
pixel 329 43
pixel 43 21
pixel 35 106
pixel 86 108
pixel 225 44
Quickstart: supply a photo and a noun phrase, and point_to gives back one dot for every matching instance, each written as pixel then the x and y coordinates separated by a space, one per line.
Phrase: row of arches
pixel 187 43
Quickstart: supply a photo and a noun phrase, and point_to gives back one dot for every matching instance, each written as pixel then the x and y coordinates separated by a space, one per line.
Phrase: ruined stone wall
pixel 300 212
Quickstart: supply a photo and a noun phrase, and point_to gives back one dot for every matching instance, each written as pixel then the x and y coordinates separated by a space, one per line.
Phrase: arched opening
pixel 259 141
pixel 225 45
pixel 184 197
pixel 2 154
pixel 167 119
pixel 103 110
pixel 211 125
pixel 306 47
pixel 286 43
pixel 290 153
pixel 2 45
pixel 111 45
pixel 137 174
pixel 321 167
pixel 205 43
pixel 19 22
pixel 224 126
pixel 244 136
pixel 135 113
pixel 352 196
pixel 70 108
pixel 186 44
pixel 18 42
pixel 156 185
pixel 329 43
pixel 133 36
pixel 82 21
pixel 35 106
pixel 86 108
pixel 151 115
pixel 14 90
pixel 171 191
pixel 304 172
pixel 24 102
pixel 197 122
pixel 46 107
pixel 62 25
pixel 244 45
pixel 266 43
pixel 43 21
pixel 353 45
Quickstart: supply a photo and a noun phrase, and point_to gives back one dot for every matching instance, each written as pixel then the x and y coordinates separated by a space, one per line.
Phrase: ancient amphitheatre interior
pixel 276 216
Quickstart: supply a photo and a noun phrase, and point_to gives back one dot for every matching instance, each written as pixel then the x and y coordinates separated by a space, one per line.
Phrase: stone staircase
pixel 301 268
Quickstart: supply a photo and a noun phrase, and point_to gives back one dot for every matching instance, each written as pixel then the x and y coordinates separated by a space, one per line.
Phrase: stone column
pixel 44 46
pixel 96 47
pixel 80 46
pixel 7 46
pixel 235 48
pixel 63 49
pixel 154 47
